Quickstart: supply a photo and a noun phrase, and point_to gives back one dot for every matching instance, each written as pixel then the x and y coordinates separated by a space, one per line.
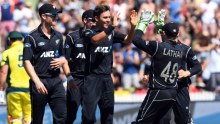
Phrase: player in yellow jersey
pixel 12 71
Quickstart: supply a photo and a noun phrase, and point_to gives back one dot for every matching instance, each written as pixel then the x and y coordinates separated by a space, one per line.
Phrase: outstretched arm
pixel 133 22
pixel 147 46
pixel 96 39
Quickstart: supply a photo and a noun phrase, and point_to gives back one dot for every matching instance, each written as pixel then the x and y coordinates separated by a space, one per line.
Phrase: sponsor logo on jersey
pixel 102 50
pixel 81 56
pixel 56 54
pixel 67 46
pixel 147 42
pixel 57 41
pixel 41 44
pixel 79 45
pixel 194 58
pixel 27 45
pixel 47 54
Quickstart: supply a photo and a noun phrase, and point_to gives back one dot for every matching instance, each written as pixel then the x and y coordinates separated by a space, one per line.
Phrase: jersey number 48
pixel 169 74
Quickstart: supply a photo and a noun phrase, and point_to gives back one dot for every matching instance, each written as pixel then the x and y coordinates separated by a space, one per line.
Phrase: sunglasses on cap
pixel 51 15
pixel 91 19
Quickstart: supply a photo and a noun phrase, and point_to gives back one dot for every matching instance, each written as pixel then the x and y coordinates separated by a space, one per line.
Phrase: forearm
pixel 101 36
pixel 137 40
pixel 66 68
pixel 98 38
pixel 130 36
pixel 2 79
pixel 3 75
pixel 195 69
pixel 30 70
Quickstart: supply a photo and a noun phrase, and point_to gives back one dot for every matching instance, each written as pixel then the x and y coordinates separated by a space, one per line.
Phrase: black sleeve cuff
pixel 109 30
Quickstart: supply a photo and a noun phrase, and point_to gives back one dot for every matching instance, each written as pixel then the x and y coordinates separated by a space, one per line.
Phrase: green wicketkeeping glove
pixel 160 20
pixel 146 18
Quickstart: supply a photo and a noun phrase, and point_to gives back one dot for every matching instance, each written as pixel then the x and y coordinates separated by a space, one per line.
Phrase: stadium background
pixel 189 14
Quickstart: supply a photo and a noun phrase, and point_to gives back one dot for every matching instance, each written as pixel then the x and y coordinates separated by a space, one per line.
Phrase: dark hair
pixel 88 14
pixel 100 9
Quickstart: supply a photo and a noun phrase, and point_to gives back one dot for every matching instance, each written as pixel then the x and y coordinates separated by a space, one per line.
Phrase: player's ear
pixel 84 20
pixel 43 16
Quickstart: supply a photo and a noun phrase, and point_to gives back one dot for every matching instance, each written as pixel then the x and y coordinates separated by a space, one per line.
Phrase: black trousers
pixel 98 90
pixel 55 98
pixel 180 108
pixel 74 99
pixel 155 105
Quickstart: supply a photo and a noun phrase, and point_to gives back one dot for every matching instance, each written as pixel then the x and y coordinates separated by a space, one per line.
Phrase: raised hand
pixel 146 18
pixel 133 18
pixel 116 20
pixel 161 17
pixel 160 21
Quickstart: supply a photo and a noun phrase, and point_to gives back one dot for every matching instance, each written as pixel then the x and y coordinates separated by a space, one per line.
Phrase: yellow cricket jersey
pixel 18 78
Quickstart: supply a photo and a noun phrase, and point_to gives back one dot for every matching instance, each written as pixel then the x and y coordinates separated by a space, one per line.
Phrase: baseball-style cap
pixel 15 34
pixel 171 29
pixel 88 14
pixel 48 8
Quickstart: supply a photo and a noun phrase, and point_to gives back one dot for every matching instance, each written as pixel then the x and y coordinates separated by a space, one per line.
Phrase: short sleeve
pixel 88 34
pixel 28 47
pixel 68 46
pixel 61 47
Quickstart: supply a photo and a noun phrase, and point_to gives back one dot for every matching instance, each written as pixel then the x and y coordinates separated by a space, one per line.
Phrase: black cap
pixel 15 34
pixel 171 29
pixel 88 14
pixel 48 8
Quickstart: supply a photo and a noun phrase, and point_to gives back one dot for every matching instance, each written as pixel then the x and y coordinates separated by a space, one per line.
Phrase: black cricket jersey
pixel 100 57
pixel 40 50
pixel 75 52
pixel 166 61
pixel 190 63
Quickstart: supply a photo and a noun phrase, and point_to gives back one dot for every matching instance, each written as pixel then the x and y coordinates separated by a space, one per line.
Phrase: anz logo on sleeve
pixel 103 49
pixel 47 54
pixel 81 56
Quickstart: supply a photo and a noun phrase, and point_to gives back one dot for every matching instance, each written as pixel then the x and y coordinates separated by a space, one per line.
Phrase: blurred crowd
pixel 199 28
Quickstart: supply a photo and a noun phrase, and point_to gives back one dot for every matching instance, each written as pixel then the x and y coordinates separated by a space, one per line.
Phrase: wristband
pixel 109 30
pixel 70 77
pixel 141 26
